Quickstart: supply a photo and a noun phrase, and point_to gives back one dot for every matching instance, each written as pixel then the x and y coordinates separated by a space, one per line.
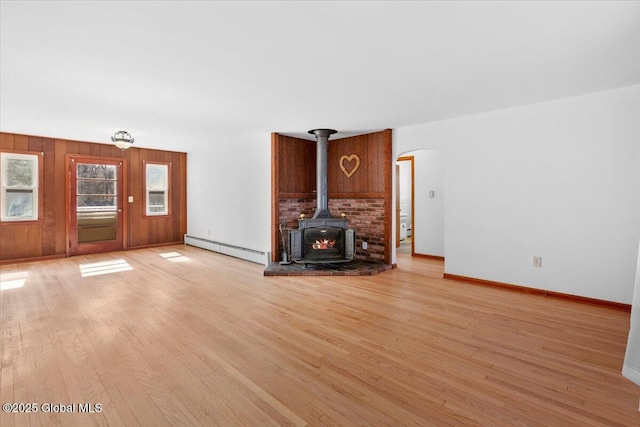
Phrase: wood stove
pixel 323 238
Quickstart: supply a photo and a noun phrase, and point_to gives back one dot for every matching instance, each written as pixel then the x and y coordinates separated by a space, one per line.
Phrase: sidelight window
pixel 157 188
pixel 20 185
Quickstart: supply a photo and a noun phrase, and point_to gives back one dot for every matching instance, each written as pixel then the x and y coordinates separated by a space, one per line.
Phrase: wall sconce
pixel 122 139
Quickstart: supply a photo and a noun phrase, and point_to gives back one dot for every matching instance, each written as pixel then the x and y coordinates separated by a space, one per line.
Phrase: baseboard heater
pixel 247 254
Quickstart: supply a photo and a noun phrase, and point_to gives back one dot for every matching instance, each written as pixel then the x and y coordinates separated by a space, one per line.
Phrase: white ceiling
pixel 172 73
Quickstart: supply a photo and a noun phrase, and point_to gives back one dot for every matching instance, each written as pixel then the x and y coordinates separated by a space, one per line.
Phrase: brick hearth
pixel 352 268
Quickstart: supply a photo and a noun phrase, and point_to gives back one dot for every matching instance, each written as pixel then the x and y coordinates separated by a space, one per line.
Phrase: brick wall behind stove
pixel 366 216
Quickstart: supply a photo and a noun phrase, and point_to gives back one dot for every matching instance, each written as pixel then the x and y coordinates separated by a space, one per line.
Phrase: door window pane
pixel 96 171
pixel 96 187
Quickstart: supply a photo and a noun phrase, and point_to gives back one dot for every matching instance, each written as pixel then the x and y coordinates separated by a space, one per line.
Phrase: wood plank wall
pixel 297 158
pixel 294 176
pixel 368 180
pixel 47 237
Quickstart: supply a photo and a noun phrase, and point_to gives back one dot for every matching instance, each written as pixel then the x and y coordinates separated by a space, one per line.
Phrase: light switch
pixel 432 193
pixel 130 199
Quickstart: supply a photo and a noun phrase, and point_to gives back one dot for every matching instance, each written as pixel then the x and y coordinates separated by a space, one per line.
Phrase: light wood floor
pixel 204 339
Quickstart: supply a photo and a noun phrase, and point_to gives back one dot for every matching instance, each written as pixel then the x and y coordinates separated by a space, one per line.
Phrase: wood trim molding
pixel 541 292
pixel 413 200
pixel 154 245
pixel 427 256
pixel 275 195
pixel 33 259
pixel 356 195
pixel 388 196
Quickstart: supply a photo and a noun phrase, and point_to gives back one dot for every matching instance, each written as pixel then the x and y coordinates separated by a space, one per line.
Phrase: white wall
pixel 229 190
pixel 429 211
pixel 557 179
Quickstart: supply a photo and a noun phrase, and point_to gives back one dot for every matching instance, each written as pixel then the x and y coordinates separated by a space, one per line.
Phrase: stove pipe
pixel 322 136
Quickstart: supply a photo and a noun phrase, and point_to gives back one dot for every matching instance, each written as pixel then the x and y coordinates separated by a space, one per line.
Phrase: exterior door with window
pixel 95 205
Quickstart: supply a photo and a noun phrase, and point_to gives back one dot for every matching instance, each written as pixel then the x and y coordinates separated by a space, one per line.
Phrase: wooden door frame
pixel 67 197
pixel 397 205
pixel 410 159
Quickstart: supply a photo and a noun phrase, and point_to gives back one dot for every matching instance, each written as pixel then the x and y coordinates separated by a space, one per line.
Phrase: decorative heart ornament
pixel 349 159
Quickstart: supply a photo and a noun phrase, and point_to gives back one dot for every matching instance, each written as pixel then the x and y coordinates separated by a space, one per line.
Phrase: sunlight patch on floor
pixel 13 280
pixel 104 267
pixel 174 257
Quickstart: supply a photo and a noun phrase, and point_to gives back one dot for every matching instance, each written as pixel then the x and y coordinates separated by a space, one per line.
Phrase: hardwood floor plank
pixel 203 339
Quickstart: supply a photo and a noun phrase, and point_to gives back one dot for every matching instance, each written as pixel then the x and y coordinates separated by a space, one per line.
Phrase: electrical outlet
pixel 365 245
pixel 209 232
pixel 537 261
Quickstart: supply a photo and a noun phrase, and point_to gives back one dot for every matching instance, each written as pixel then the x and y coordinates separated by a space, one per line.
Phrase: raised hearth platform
pixel 351 268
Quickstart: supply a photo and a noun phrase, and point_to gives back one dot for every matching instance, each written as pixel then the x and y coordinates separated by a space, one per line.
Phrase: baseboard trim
pixel 33 259
pixel 436 257
pixel 154 245
pixel 541 292
pixel 247 254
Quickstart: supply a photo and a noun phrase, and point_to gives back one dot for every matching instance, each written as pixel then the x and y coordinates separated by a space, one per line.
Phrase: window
pixel 20 183
pixel 157 188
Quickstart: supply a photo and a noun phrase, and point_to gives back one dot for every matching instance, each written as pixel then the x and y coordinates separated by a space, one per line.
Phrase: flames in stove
pixel 324 244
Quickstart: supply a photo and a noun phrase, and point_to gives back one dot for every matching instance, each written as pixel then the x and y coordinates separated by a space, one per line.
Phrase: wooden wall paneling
pixel 176 210
pixel 134 190
pixel 21 236
pixel 72 147
pixel 159 229
pixel 143 229
pixel 49 195
pixel 84 148
pixel 7 242
pixel 34 242
pixel 105 150
pixel 377 162
pixel 94 149
pixel 34 143
pixel 165 230
pixel 336 181
pixel 60 177
pixel 367 181
pixel 183 196
pixel 388 180
pixel 275 195
pixel 49 236
pixel 125 202
pixel 21 142
pixel 297 165
pixel 167 156
pixel 153 156
pixel 7 141
pixel 116 152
